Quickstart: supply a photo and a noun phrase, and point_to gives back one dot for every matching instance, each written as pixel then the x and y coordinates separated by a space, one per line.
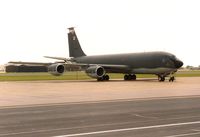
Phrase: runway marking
pixel 130 129
pixel 138 115
pixel 196 130
pixel 182 135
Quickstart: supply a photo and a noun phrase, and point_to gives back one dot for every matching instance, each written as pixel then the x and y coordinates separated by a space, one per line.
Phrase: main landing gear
pixel 162 78
pixel 130 77
pixel 104 78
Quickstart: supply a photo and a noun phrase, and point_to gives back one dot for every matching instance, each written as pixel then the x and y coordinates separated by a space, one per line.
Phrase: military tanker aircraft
pixel 162 64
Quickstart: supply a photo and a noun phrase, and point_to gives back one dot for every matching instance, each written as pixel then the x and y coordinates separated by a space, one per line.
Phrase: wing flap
pixel 82 66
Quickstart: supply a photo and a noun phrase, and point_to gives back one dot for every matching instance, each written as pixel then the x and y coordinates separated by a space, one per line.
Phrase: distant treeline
pixel 192 67
pixel 24 68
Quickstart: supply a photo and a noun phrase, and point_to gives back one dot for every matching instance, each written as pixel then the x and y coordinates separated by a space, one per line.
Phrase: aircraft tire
pixel 130 77
pixel 133 77
pixel 126 77
pixel 171 79
pixel 106 77
pixel 161 78
pixel 100 79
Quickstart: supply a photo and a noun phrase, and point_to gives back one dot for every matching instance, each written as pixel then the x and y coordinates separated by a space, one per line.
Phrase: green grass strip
pixel 78 76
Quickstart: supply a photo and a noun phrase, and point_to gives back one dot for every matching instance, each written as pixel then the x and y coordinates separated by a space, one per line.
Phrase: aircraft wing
pixel 116 68
pixel 107 67
pixel 64 60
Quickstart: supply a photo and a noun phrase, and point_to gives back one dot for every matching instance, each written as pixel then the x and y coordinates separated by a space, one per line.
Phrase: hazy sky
pixel 30 29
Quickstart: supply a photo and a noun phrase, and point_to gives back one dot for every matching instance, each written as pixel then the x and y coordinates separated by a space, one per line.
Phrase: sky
pixel 31 29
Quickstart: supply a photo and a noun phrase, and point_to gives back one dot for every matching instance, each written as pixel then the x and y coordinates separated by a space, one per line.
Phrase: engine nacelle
pixel 95 71
pixel 56 69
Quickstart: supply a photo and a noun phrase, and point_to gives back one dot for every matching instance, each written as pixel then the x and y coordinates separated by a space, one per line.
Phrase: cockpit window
pixel 168 60
pixel 165 59
pixel 173 56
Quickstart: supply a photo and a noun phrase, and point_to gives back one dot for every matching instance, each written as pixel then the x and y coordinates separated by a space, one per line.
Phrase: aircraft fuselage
pixel 138 63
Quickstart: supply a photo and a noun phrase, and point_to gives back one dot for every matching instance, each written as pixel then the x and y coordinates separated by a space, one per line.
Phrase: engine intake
pixel 56 69
pixel 95 71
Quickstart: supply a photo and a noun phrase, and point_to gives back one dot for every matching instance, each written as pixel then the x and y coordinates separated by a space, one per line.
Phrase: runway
pixel 166 117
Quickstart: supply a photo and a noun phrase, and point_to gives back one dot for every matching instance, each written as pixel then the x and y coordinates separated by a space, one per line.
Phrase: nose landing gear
pixel 161 78
pixel 171 77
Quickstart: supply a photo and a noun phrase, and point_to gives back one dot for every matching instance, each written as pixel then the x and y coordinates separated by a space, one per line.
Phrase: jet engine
pixel 56 69
pixel 95 71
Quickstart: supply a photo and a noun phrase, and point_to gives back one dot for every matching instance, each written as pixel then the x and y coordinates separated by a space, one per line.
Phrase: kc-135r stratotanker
pixel 161 64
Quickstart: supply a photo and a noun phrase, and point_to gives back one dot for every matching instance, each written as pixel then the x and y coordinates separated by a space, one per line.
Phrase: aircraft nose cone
pixel 178 63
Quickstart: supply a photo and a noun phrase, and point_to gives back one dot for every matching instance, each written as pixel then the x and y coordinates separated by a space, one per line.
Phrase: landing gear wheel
pixel 104 78
pixel 171 79
pixel 100 79
pixel 126 77
pixel 130 77
pixel 133 77
pixel 161 78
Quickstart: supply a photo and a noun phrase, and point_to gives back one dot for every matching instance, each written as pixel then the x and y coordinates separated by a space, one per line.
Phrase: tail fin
pixel 75 49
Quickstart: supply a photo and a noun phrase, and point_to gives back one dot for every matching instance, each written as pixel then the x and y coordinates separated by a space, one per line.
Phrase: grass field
pixel 77 76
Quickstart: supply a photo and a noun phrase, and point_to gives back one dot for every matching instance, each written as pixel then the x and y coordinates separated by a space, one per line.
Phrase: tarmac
pixel 143 108
pixel 51 92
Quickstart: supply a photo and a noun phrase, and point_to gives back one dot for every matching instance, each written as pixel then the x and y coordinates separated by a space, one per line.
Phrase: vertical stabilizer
pixel 75 49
